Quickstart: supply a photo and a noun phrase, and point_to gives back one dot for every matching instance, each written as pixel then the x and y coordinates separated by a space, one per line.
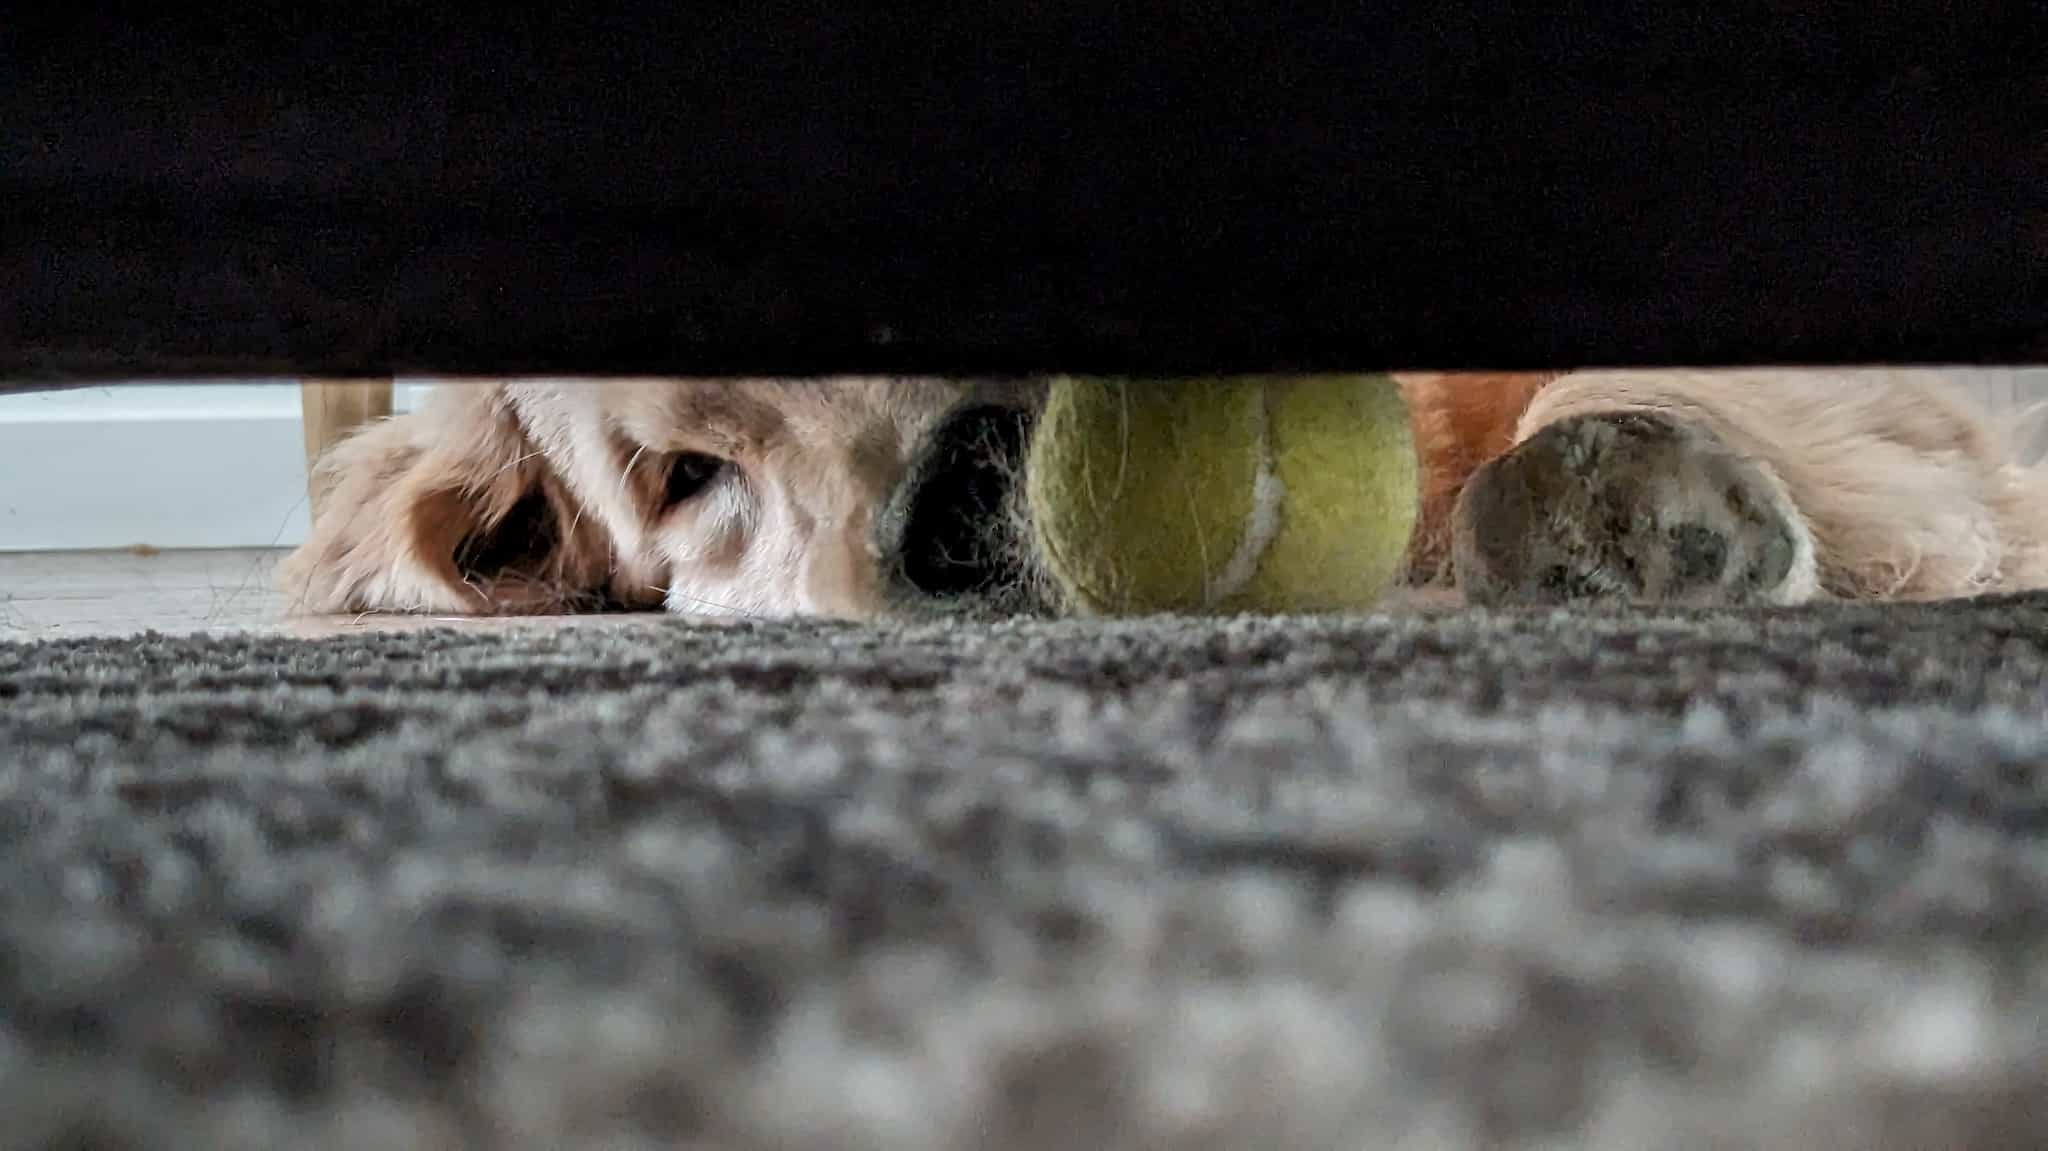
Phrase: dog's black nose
pixel 955 532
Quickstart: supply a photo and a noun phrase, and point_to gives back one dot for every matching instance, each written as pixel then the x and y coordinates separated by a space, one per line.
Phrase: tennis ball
pixel 1291 494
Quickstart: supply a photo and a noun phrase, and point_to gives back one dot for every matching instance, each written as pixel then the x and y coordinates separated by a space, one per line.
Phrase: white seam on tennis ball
pixel 1262 521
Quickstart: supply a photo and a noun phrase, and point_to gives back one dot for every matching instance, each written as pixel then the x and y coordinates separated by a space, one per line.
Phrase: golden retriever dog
pixel 855 498
pixel 843 498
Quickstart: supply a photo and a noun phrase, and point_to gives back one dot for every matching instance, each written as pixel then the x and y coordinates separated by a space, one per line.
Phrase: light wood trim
pixel 333 409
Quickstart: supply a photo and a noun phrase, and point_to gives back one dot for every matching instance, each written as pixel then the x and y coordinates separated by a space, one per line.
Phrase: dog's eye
pixel 689 474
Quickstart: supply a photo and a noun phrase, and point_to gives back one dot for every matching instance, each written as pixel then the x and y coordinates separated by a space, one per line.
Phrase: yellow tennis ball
pixel 1279 494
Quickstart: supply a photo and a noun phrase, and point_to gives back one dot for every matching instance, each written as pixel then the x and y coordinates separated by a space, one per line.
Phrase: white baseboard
pixel 162 465
pixel 191 466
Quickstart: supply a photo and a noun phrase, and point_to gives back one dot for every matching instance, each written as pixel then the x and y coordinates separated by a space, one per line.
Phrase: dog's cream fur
pixel 786 530
pixel 1903 490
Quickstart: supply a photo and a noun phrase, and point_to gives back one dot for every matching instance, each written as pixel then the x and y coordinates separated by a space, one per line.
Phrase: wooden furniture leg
pixel 331 410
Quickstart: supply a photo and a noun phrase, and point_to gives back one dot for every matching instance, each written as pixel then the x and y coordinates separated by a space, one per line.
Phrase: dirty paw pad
pixel 1629 506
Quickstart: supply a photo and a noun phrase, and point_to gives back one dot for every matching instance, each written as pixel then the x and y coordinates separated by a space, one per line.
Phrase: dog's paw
pixel 1629 506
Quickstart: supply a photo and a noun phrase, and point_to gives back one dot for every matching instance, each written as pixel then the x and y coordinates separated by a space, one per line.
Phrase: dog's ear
pixel 451 508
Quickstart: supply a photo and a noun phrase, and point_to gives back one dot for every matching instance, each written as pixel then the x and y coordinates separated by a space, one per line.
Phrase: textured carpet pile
pixel 1472 881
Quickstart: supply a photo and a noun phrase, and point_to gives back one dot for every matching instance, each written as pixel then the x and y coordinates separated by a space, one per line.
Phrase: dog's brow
pixel 731 411
pixel 727 416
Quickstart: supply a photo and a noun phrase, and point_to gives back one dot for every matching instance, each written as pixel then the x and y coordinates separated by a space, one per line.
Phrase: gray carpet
pixel 1485 881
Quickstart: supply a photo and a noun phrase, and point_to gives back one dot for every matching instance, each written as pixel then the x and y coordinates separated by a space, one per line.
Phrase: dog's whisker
pixel 515 462
pixel 626 473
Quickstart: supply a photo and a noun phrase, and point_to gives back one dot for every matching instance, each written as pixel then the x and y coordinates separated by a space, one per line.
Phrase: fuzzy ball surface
pixel 1271 494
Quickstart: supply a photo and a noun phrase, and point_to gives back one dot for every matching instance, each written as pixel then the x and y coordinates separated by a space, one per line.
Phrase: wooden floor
pixel 57 595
